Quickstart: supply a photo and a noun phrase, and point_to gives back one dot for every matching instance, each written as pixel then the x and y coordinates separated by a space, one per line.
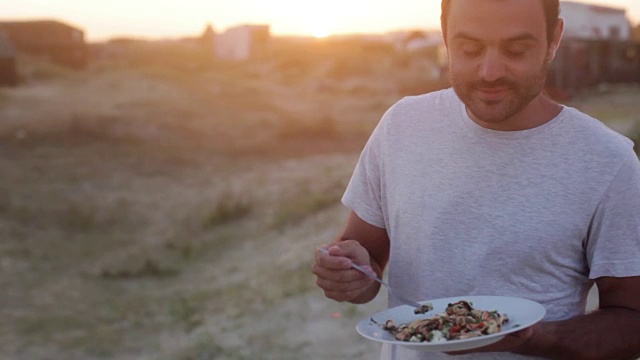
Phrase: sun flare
pixel 320 33
pixel 320 28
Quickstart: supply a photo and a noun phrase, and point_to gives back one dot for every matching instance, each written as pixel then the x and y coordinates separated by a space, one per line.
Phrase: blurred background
pixel 168 168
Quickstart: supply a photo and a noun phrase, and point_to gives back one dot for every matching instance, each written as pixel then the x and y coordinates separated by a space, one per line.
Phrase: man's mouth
pixel 492 93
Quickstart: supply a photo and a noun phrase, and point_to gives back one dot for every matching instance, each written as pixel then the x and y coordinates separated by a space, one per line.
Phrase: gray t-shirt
pixel 537 213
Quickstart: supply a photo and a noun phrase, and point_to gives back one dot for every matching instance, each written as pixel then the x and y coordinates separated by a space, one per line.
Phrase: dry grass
pixel 155 210
pixel 126 188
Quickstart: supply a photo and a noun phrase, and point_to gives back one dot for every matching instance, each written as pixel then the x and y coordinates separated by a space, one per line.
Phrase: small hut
pixel 8 68
pixel 58 42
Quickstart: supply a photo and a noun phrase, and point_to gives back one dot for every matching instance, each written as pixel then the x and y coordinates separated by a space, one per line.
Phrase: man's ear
pixel 555 41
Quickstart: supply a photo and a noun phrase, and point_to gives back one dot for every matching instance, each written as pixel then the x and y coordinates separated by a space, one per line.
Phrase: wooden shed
pixel 8 68
pixel 60 43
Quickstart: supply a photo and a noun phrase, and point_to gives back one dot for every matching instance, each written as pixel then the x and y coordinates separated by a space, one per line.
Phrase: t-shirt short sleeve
pixel 613 244
pixel 364 192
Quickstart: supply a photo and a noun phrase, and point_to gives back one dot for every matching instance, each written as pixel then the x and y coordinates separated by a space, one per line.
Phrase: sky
pixel 102 20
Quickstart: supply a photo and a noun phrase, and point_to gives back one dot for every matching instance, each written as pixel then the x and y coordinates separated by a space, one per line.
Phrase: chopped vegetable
pixel 459 321
pixel 423 309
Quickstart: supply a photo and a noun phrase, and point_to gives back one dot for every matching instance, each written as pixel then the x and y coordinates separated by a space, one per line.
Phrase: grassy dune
pixel 161 206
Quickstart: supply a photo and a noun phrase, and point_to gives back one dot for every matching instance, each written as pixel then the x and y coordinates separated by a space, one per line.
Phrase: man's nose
pixel 492 66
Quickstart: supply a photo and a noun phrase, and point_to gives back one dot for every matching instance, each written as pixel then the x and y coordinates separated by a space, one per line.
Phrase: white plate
pixel 522 313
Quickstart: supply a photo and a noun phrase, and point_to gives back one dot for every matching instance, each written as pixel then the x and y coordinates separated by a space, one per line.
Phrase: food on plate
pixel 459 321
pixel 425 308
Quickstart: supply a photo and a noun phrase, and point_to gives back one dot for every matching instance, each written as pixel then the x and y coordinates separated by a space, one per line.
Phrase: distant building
pixel 418 48
pixel 57 42
pixel 208 41
pixel 208 37
pixel 594 22
pixel 243 43
pixel 417 41
pixel 8 70
pixel 597 48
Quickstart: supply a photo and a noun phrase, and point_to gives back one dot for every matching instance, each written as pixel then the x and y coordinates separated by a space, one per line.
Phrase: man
pixel 491 188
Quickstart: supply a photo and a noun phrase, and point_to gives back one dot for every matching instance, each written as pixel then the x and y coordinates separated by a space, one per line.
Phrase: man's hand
pixel 335 275
pixel 511 342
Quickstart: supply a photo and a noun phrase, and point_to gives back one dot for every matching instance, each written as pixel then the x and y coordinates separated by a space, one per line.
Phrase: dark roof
pixel 6 49
pixel 37 24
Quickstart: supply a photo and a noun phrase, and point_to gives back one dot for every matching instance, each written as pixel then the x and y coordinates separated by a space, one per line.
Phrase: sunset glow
pixel 175 18
pixel 321 33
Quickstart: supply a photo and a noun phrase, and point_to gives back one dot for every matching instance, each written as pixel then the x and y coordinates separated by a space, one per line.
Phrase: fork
pixel 419 309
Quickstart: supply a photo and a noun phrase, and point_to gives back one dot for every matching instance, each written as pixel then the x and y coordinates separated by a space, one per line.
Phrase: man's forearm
pixel 607 334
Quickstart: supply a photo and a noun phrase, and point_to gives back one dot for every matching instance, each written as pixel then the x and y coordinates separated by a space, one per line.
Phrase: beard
pixel 519 94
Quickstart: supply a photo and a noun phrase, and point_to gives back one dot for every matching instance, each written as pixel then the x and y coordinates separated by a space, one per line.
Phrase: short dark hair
pixel 551 14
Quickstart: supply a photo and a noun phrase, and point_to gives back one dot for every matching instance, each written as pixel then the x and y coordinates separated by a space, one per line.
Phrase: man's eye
pixel 515 51
pixel 471 50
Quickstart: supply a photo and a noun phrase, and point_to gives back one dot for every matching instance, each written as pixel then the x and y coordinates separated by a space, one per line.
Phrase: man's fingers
pixel 346 248
pixel 342 281
pixel 339 275
pixel 523 334
pixel 343 292
pixel 333 261
pixel 508 343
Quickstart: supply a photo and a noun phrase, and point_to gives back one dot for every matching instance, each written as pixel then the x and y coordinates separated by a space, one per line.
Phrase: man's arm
pixel 610 333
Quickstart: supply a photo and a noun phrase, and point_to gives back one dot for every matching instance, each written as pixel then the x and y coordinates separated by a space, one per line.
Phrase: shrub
pixel 305 205
pixel 229 207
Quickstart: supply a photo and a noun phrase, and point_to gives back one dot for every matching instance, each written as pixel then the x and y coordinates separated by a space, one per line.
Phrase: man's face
pixel 498 56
